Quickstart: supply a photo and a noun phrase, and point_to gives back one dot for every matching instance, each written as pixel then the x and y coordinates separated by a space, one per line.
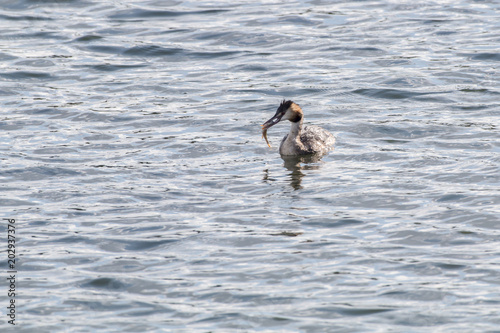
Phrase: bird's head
pixel 287 110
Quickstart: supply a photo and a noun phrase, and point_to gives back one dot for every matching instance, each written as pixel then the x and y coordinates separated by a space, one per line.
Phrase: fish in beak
pixel 271 122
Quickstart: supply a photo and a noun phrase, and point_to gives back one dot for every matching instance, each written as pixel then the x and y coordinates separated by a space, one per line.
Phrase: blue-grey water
pixel 146 200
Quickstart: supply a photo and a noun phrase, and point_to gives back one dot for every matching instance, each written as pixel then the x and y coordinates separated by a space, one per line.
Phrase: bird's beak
pixel 273 121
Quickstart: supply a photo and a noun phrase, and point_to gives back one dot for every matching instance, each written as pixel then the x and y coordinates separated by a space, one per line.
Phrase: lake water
pixel 146 200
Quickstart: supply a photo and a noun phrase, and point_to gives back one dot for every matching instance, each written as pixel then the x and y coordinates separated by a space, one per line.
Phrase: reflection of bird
pixel 301 140
pixel 298 164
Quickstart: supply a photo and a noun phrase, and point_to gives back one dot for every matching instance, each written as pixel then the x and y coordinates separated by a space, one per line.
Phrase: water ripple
pixel 145 14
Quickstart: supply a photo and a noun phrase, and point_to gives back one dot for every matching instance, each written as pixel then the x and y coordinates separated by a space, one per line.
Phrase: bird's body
pixel 312 140
pixel 301 140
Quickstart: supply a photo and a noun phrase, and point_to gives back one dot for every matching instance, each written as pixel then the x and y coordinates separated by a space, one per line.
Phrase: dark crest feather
pixel 284 105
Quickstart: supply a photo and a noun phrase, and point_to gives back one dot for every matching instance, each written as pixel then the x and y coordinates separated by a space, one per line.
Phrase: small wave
pixel 27 75
pixel 145 13
pixel 388 93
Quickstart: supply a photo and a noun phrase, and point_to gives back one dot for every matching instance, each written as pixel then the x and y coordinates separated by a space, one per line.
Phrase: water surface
pixel 146 199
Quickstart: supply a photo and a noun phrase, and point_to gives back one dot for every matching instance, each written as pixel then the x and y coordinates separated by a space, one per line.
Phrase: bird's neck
pixel 295 129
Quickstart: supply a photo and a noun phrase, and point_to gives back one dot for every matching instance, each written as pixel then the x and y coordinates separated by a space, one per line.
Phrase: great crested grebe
pixel 301 140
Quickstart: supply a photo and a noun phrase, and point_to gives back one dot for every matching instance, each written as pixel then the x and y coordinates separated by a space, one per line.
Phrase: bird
pixel 301 140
